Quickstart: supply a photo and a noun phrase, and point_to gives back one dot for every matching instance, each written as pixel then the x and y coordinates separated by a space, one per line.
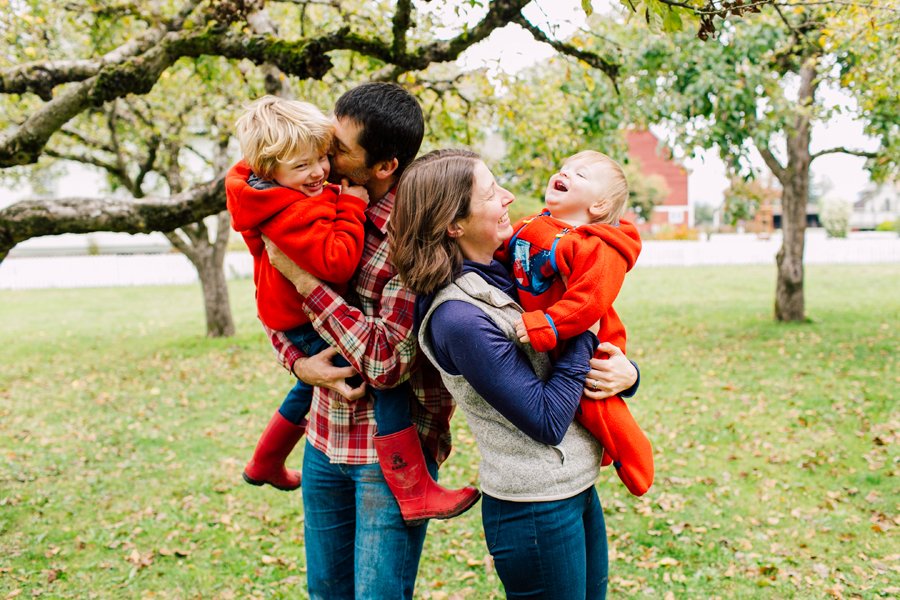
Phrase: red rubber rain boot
pixel 272 449
pixel 419 496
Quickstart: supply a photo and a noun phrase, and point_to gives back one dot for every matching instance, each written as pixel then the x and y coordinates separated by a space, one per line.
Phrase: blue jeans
pixel 356 543
pixel 550 550
pixel 391 406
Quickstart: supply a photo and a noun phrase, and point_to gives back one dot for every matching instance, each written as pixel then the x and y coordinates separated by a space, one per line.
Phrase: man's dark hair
pixel 391 122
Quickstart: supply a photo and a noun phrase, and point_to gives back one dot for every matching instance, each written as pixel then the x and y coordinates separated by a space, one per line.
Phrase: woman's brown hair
pixel 434 192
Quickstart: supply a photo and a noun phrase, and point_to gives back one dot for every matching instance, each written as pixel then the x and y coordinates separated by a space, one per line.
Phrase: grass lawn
pixel 123 432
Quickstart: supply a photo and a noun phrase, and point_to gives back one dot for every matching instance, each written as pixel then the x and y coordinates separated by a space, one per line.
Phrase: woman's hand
pixel 303 281
pixel 522 332
pixel 609 376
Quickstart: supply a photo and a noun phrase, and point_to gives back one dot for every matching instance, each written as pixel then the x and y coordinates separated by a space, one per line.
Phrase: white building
pixel 877 204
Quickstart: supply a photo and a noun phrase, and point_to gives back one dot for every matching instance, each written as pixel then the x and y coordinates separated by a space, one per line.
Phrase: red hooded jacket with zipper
pixel 591 261
pixel 323 234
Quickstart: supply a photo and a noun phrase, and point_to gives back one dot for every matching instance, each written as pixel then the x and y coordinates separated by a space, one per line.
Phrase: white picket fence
pixel 17 273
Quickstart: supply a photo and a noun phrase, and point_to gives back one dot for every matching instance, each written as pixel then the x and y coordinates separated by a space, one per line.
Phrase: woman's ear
pixel 454 230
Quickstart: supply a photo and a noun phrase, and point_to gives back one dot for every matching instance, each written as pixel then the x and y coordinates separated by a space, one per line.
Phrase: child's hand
pixel 522 332
pixel 357 191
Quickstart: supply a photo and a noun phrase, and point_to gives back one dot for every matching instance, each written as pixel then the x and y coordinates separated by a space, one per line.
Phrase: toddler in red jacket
pixel 569 263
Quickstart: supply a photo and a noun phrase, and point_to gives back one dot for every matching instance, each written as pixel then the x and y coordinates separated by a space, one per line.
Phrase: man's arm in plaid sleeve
pixel 381 348
pixel 286 352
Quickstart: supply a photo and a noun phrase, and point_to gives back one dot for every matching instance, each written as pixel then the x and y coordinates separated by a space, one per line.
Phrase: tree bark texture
pixel 34 218
pixel 209 260
pixel 789 299
pixel 216 301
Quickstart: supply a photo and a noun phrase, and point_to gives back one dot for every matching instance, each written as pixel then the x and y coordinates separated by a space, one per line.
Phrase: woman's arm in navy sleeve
pixel 467 342
pixel 630 392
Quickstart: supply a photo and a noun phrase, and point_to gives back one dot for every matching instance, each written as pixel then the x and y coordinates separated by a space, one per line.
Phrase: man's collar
pixel 379 212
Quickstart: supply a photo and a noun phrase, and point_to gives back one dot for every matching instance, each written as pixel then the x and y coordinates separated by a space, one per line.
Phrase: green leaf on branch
pixel 672 21
pixel 586 6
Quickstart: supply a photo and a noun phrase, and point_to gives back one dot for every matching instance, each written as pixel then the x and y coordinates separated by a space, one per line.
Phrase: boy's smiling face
pixel 578 186
pixel 305 173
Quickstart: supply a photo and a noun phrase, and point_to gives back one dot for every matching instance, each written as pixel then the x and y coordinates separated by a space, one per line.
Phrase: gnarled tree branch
pixel 34 218
pixel 302 58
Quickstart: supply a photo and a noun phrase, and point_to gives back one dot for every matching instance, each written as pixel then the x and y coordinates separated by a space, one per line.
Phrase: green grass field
pixel 123 432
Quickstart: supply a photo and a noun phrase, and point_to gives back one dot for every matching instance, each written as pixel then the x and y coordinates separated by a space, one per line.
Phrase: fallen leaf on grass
pixel 821 570
pixel 176 552
pixel 140 560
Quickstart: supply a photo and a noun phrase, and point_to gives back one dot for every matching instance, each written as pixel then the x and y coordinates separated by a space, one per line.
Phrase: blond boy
pixel 280 190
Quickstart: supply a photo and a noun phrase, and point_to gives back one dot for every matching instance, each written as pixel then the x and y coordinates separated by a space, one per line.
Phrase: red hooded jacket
pixel 591 261
pixel 323 234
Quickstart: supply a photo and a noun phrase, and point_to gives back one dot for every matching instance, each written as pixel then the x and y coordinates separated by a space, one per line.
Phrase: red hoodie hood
pixel 624 238
pixel 248 206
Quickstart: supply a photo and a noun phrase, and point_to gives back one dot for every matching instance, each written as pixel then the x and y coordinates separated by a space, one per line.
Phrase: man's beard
pixel 358 176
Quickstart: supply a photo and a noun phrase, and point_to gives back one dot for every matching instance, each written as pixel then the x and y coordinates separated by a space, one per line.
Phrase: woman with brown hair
pixel 542 517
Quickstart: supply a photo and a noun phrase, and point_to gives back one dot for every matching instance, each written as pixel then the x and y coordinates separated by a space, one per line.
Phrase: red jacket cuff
pixel 540 331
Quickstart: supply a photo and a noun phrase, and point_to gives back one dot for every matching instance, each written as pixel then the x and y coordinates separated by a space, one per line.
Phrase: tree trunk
pixel 789 301
pixel 209 260
pixel 215 296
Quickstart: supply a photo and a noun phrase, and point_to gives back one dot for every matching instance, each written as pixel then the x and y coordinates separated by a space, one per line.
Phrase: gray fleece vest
pixel 513 466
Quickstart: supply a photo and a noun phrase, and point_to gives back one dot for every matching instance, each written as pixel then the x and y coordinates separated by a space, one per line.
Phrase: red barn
pixel 654 159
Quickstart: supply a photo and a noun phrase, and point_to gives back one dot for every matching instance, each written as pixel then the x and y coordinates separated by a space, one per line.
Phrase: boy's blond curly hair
pixel 273 130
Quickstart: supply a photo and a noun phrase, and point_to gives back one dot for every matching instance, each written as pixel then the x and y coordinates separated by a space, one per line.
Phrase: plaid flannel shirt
pixel 376 336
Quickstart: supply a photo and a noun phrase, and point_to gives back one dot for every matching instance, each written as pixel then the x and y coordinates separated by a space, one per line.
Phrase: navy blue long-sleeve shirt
pixel 468 342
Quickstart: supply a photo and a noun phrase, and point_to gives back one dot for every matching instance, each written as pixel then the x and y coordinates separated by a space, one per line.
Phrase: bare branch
pixel 41 77
pixel 175 238
pixel 843 150
pixel 772 162
pixel 500 12
pixel 86 159
pixel 147 165
pixel 609 68
pixel 86 141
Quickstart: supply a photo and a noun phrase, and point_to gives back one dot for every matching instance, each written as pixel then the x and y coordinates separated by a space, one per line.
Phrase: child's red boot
pixel 419 496
pixel 273 448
